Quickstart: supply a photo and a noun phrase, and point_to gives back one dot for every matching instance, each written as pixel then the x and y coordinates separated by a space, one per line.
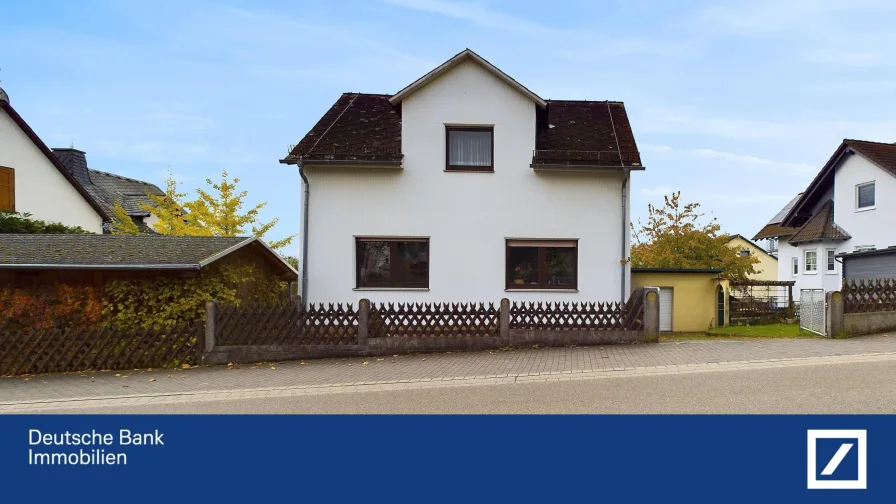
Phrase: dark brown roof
pixel 881 154
pixel 586 131
pixel 41 146
pixel 367 127
pixel 820 227
pixel 357 127
pixel 774 230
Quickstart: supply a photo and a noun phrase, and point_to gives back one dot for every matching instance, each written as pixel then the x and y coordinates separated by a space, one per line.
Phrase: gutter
pixel 306 191
pixel 624 230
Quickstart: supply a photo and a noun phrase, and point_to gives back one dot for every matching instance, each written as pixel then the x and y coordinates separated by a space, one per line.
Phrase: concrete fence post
pixel 211 308
pixel 834 311
pixel 363 321
pixel 504 322
pixel 652 314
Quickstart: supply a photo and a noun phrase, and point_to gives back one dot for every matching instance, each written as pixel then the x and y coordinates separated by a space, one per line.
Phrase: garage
pixel 665 308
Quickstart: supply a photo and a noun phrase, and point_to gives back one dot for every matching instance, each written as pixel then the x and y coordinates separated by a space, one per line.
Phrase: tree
pixel 22 223
pixel 122 222
pixel 674 237
pixel 217 211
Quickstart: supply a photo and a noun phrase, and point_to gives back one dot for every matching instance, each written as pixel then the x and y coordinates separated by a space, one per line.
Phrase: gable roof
pixel 41 146
pixel 882 155
pixel 130 252
pixel 744 238
pixel 107 188
pixel 366 128
pixel 820 227
pixel 457 59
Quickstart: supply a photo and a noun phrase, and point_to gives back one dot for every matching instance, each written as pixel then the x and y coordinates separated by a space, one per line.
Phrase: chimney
pixel 75 161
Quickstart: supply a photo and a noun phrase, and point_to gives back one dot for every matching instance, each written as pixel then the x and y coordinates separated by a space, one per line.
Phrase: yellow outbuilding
pixel 766 268
pixel 690 299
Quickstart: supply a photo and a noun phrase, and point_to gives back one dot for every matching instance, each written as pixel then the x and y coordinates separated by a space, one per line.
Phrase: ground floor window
pixel 392 262
pixel 811 261
pixel 542 264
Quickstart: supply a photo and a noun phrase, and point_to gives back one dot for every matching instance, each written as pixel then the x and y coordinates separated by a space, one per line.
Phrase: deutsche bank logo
pixel 837 459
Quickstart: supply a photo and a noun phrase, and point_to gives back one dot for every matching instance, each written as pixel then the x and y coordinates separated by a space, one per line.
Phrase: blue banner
pixel 448 458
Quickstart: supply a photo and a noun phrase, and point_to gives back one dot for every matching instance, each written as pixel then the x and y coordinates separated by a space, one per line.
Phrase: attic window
pixel 865 196
pixel 469 148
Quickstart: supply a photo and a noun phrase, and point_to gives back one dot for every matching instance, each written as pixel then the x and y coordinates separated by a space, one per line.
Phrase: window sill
pixel 416 289
pixel 537 289
pixel 810 272
pixel 830 272
pixel 468 170
pixel 865 209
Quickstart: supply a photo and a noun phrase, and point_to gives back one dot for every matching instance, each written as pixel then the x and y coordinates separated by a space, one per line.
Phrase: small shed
pixel 690 299
pixel 869 265
pixel 32 260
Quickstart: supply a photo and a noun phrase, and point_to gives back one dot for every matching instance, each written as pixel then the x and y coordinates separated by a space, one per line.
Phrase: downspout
pixel 624 230
pixel 305 193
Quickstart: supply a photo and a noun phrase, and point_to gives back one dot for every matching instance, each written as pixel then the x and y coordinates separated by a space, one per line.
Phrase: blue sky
pixel 735 104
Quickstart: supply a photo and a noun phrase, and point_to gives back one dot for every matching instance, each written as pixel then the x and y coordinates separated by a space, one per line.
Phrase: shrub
pixel 14 222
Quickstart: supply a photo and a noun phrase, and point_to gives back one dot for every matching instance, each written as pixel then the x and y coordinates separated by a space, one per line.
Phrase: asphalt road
pixel 855 387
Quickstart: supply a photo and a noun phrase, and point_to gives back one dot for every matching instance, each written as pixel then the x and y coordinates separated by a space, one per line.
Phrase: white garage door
pixel 665 308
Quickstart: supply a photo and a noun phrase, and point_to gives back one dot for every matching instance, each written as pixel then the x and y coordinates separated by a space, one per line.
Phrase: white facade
pixel 867 227
pixel 466 216
pixel 40 189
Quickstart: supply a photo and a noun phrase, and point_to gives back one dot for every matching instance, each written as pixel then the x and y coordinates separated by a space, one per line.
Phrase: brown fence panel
pixel 569 316
pixel 424 320
pixel 64 350
pixel 286 323
pixel 869 296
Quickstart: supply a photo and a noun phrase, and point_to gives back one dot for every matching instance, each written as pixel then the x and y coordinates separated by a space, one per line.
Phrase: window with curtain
pixel 832 262
pixel 469 149
pixel 811 261
pixel 542 264
pixel 392 263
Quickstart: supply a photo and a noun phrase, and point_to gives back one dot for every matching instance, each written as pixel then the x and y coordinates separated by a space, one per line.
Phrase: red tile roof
pixel 881 154
pixel 820 226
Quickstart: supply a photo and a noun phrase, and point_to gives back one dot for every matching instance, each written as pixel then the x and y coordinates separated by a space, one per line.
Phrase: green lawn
pixel 770 331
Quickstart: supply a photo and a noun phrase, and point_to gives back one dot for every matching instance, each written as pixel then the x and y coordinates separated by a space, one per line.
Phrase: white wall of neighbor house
pixel 821 278
pixel 40 189
pixel 867 227
pixel 466 216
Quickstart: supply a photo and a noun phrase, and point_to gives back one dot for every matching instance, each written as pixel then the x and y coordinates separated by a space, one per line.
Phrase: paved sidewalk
pixel 457 368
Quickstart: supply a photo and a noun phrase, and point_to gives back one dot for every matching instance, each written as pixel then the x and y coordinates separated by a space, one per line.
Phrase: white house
pixel 56 185
pixel 848 207
pixel 32 180
pixel 466 186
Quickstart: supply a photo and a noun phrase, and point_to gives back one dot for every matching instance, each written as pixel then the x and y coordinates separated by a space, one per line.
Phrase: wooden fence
pixel 428 320
pixel 62 350
pixel 287 322
pixel 573 316
pixel 760 301
pixel 869 296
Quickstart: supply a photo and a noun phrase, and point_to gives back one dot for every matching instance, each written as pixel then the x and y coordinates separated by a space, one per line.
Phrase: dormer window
pixel 469 148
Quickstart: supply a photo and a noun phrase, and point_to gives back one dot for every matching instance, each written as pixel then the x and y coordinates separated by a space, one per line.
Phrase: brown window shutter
pixel 7 189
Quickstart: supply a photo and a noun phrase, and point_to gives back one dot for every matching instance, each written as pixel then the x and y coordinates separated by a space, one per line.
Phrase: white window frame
pixel 828 271
pixel 795 266
pixel 806 270
pixel 864 248
pixel 872 207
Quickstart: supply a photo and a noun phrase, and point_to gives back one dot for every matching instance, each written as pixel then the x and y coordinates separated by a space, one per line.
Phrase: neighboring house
pixel 766 268
pixel 33 260
pixel 466 186
pixel 848 207
pixel 107 188
pixel 691 300
pixel 32 180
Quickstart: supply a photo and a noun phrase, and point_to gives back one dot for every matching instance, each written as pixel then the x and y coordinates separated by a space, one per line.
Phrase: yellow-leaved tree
pixel 216 211
pixel 674 237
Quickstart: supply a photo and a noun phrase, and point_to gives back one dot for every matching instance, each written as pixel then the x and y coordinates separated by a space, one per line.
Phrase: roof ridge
pixel 610 102
pixel 120 177
pixel 892 144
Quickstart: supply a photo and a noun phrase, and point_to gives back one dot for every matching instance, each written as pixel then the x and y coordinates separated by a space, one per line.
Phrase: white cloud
pixel 797 167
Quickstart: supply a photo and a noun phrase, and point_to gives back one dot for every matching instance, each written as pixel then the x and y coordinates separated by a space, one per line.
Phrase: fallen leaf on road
pixel 396 355
pixel 26 379
pixel 365 363
pixel 169 376
pixel 152 379
pixel 303 363
pixel 117 374
pixel 423 358
pixel 185 366
pixel 380 359
pixel 272 367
